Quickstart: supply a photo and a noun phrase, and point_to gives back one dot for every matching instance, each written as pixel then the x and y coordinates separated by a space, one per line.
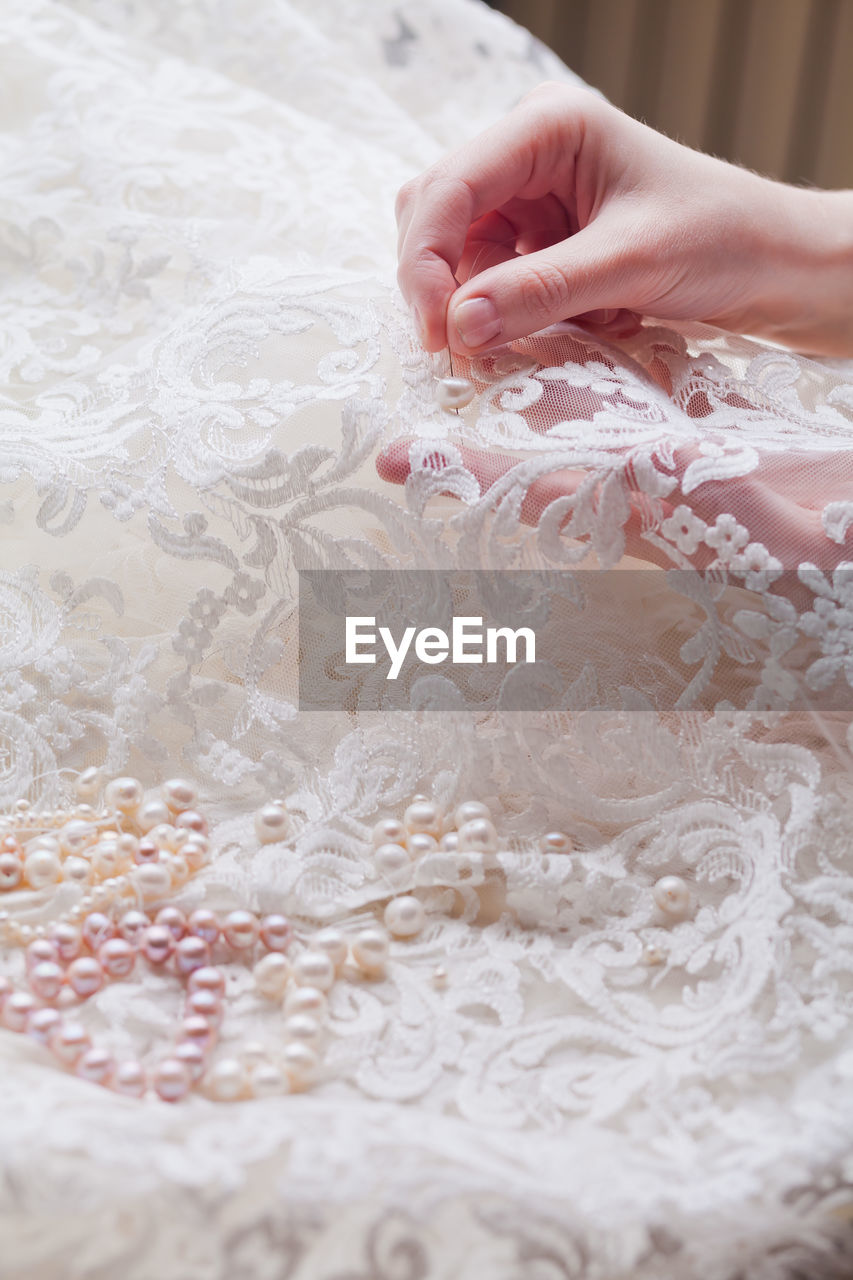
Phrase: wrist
pixel 804 293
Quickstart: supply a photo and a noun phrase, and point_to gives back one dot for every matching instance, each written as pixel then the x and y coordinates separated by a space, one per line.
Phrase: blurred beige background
pixel 768 83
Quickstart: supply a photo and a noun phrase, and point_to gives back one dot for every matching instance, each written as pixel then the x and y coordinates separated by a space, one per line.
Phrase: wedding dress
pixel 204 358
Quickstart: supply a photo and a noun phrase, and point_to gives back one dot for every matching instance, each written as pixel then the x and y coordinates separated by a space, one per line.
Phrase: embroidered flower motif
pixel 121 500
pixel 757 565
pixel 207 608
pixel 62 669
pixel 830 622
pixel 726 537
pixel 60 727
pixel 192 640
pixel 685 529
pixel 245 593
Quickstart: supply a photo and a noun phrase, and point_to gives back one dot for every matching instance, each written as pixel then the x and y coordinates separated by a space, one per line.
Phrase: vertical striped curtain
pixel 768 83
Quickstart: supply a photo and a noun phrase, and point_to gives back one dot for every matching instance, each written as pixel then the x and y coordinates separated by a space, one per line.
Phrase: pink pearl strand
pixel 129 856
pixel 69 966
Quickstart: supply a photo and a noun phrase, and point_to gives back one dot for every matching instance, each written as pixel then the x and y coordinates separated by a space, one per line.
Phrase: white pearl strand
pixel 424 828
pixel 137 851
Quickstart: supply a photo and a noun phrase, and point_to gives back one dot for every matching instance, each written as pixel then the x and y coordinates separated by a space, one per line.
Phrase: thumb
pixel 583 273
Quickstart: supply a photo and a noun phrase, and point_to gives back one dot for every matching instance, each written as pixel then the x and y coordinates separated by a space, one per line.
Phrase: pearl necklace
pixel 129 855
pixel 155 845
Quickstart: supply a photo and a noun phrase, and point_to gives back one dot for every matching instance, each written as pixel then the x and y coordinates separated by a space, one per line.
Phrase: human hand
pixel 762 527
pixel 567 208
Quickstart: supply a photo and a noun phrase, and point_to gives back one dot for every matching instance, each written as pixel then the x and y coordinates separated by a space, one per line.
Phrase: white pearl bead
pixel 128 846
pixel 179 794
pixel 370 950
pixel 42 868
pixel 304 1028
pixel 671 895
pixel 272 824
pixel 333 943
pixel 454 393
pixel 164 835
pixel 226 1080
pixel 314 969
pixel 405 917
pixel 423 815
pixel 44 842
pixel 555 842
pixel 152 814
pixel 152 880
pixel 106 860
pixel 392 860
pixel 11 870
pixel 300 1064
pixel 439 977
pixel 88 784
pixel 468 810
pixel 271 975
pixel 266 1080
pixel 76 836
pixel 421 844
pixel 389 831
pixel 652 955
pixel 77 871
pixel 305 1000
pixel 450 842
pixel 124 794
pixel 478 836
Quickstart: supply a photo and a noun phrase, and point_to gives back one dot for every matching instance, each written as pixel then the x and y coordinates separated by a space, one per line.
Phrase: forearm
pixel 804 291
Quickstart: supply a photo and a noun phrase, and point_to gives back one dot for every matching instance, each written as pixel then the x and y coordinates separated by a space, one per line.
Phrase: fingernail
pixel 477 321
pixel 419 326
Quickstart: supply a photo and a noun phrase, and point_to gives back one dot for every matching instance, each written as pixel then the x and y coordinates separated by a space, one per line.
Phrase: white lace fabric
pixel 203 354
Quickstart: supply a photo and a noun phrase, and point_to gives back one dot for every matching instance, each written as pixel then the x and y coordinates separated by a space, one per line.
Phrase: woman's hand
pixel 767 522
pixel 567 208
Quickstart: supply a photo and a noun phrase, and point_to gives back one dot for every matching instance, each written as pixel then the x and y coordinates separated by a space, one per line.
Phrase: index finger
pixel 521 155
